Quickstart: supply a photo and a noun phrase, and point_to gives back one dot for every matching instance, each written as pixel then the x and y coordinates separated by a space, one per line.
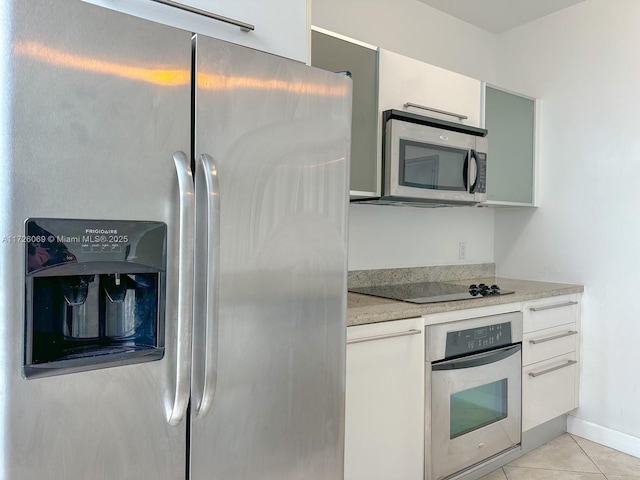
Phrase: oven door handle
pixel 478 360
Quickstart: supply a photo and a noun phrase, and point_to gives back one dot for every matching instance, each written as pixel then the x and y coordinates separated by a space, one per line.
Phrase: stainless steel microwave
pixel 431 161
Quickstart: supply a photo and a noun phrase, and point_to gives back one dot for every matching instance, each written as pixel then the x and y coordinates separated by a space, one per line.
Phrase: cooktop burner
pixel 431 292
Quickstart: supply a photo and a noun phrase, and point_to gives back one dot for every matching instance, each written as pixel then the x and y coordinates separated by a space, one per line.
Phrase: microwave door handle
pixel 465 173
pixel 473 171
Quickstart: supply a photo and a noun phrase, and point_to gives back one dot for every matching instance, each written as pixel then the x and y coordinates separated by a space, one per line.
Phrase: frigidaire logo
pixel 101 230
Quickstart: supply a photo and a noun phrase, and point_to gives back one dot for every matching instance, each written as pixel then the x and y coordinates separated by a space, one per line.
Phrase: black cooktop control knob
pixel 483 290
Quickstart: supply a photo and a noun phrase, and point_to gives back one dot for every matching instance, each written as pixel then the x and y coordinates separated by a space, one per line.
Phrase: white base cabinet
pixel 550 373
pixel 384 432
pixel 385 383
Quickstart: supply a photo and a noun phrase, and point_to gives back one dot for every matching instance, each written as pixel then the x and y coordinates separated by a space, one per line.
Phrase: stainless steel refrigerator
pixel 172 253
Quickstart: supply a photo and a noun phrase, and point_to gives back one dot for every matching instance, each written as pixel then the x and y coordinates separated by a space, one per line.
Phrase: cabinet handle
pixel 552 337
pixel 245 27
pixel 549 307
pixel 386 335
pixel 552 369
pixel 444 112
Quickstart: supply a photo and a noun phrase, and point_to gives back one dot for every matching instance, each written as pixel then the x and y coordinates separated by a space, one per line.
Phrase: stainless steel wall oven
pixel 476 383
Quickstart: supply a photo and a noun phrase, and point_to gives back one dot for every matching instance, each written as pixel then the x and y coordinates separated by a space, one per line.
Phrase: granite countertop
pixel 362 309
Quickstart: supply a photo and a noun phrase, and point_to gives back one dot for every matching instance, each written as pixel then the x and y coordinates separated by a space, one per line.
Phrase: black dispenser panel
pixel 95 294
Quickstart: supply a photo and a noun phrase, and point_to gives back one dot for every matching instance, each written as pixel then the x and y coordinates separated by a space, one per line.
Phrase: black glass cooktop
pixel 431 292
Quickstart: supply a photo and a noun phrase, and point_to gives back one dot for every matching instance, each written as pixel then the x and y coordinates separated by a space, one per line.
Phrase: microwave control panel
pixel 481 179
pixel 462 342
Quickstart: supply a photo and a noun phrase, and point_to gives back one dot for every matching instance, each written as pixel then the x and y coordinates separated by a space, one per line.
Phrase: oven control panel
pixel 462 342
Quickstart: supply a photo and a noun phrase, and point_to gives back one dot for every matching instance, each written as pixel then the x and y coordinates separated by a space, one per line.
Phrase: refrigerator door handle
pixel 185 290
pixel 210 263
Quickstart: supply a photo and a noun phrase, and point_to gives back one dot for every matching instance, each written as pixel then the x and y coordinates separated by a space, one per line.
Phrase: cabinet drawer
pixel 550 312
pixel 548 343
pixel 548 389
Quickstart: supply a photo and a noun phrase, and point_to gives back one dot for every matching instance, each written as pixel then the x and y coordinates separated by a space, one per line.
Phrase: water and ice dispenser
pixel 95 294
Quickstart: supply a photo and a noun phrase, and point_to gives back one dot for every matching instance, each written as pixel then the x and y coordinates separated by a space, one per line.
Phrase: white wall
pixel 387 237
pixel 391 237
pixel 583 63
pixel 412 28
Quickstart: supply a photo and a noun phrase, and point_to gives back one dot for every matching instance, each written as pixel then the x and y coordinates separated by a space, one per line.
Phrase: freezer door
pixel 94 103
pixel 278 136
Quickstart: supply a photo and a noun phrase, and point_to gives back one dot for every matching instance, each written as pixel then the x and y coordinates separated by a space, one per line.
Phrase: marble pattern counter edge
pixel 363 309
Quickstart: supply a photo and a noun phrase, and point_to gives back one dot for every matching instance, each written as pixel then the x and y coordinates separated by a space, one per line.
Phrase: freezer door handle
pixel 185 289
pixel 207 272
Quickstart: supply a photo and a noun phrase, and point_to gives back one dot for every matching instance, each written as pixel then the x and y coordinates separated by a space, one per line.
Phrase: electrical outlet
pixel 462 250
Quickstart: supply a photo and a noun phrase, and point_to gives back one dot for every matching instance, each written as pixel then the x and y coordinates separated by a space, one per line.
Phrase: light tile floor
pixel 570 457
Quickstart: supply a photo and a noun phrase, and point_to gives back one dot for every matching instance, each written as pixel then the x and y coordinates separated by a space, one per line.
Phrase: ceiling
pixel 498 16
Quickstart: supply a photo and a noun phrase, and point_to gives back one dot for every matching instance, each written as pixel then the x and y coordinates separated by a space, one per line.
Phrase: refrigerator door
pixel 278 136
pixel 94 104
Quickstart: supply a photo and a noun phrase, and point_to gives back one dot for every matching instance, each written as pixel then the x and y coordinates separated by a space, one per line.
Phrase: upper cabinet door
pixel 510 120
pixel 404 80
pixel 277 26
pixel 336 53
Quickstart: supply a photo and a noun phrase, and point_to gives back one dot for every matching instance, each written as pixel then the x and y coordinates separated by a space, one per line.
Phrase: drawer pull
pixel 549 307
pixel 552 369
pixel 451 114
pixel 245 27
pixel 535 341
pixel 386 335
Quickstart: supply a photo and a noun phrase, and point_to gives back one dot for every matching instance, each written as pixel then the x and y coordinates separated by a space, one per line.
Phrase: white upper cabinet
pixel 278 26
pixel 404 80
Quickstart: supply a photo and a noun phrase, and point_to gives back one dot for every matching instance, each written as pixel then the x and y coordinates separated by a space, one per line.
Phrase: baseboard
pixel 604 436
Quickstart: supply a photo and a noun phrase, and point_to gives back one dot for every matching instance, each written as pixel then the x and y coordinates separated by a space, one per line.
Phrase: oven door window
pixel 433 167
pixel 477 407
